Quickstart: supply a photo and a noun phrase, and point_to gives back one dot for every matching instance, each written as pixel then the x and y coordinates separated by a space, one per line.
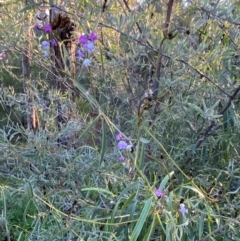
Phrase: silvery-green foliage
pixel 65 181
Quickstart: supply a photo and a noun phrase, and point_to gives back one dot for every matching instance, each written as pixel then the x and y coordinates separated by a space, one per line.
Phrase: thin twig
pixel 129 10
pixel 138 25
pixel 204 75
pixel 168 18
pixel 125 34
pixel 211 125
pixel 160 57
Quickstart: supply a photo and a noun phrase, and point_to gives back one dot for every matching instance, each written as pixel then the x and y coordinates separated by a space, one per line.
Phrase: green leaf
pixel 87 95
pixel 226 238
pixel 103 148
pixel 169 233
pixel 195 190
pixel 102 63
pixel 201 225
pixel 141 220
pixel 30 7
pixel 123 193
pixel 20 236
pixel 101 190
pixel 216 116
pixel 196 108
pixel 170 202
pixel 145 141
pixel 204 105
pixel 150 230
pixel 132 209
pixel 215 105
pixel 89 127
pixel 165 180
pixel 234 192
pixel 141 157
pixel 128 202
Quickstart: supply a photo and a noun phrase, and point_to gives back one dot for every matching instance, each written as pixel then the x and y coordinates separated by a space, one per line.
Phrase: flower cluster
pixel 3 55
pixel 53 42
pixel 159 193
pixel 121 158
pixel 87 46
pixel 46 28
pixel 182 209
pixel 86 43
pixel 46 46
pixel 123 144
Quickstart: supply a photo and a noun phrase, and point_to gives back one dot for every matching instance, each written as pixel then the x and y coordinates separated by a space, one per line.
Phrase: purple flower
pixel 47 28
pixel 89 46
pixel 121 158
pixel 129 148
pixel 119 136
pixel 182 209
pixel 79 54
pixel 159 193
pixel 45 53
pixel 83 39
pixel 87 62
pixel 122 145
pixel 54 42
pixel 93 37
pixel 3 55
pixel 45 44
pixel 36 26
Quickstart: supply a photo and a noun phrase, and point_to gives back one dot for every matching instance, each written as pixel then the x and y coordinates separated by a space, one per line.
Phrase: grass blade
pixel 101 190
pixel 141 220
pixel 103 148
pixel 165 180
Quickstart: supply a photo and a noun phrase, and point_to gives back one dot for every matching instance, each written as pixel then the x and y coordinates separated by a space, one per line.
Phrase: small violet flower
pixel 37 27
pixel 89 46
pixel 93 37
pixel 121 158
pixel 3 55
pixel 182 209
pixel 83 39
pixel 54 42
pixel 86 62
pixel 47 28
pixel 122 145
pixel 45 53
pixel 159 193
pixel 79 54
pixel 45 44
pixel 119 136
pixel 129 148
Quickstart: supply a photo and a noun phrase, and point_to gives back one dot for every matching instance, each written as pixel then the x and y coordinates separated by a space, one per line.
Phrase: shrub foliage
pixel 119 120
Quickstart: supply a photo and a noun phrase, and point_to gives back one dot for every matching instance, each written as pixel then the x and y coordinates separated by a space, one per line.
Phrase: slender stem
pixel 211 125
pixel 168 18
pixel 204 75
